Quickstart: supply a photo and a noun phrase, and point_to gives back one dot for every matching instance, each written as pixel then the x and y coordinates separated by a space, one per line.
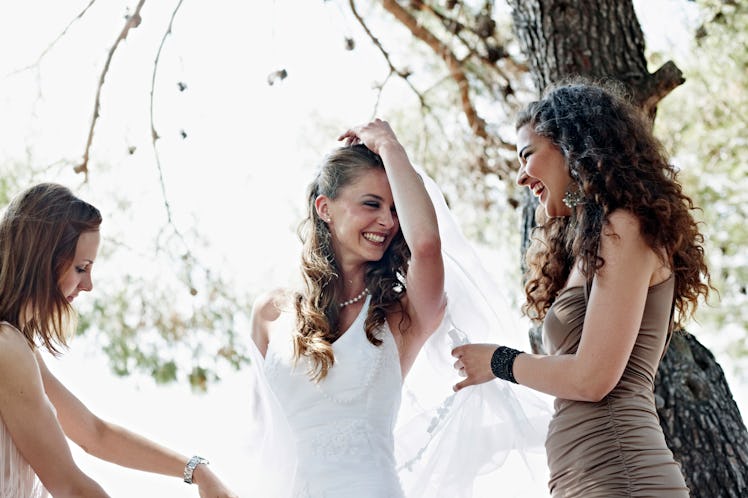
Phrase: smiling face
pixel 543 170
pixel 77 276
pixel 362 218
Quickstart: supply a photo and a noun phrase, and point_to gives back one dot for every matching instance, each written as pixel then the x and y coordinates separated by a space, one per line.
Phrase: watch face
pixel 190 467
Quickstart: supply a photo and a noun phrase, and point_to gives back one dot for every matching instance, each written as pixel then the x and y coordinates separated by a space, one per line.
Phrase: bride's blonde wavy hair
pixel 317 308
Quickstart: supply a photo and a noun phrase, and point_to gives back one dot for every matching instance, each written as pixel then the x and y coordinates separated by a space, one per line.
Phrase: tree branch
pixel 477 124
pixel 133 21
pixel 54 42
pixel 447 22
pixel 659 85
pixel 154 134
pixel 393 70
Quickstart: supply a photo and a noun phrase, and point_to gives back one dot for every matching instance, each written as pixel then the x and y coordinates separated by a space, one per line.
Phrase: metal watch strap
pixel 190 467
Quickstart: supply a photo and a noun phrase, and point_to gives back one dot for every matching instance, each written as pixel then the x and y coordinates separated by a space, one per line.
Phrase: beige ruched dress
pixel 614 447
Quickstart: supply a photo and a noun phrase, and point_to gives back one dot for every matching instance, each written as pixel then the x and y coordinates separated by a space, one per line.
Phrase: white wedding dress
pixel 343 425
pixel 348 436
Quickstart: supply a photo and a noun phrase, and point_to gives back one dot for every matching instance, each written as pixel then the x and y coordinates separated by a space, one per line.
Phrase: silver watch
pixel 190 467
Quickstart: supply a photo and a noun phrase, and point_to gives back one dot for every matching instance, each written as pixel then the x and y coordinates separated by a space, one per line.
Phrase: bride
pixel 336 353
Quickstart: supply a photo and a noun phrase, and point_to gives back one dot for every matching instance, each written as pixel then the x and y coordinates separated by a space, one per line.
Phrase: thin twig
pixel 154 134
pixel 133 21
pixel 54 42
pixel 188 257
pixel 477 123
pixel 446 21
pixel 393 70
pixel 379 94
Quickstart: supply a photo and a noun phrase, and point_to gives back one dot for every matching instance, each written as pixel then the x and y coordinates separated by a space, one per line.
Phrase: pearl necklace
pixel 354 299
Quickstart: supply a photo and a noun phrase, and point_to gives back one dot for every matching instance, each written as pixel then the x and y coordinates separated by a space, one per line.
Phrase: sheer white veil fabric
pixel 443 440
pixel 272 455
pixel 451 438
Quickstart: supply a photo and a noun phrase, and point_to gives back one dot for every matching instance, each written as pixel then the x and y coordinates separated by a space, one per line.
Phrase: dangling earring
pixel 573 198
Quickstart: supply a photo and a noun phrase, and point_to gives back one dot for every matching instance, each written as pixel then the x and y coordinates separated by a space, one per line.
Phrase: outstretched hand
pixel 473 363
pixel 373 135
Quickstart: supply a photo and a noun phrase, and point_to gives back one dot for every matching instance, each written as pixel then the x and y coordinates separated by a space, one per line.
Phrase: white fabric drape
pixel 454 437
pixel 444 440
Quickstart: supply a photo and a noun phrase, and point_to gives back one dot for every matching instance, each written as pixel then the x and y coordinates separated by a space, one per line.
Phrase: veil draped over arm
pixel 444 440
pixel 273 460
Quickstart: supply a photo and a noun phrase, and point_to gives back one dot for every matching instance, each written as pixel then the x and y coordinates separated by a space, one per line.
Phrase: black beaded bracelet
pixel 502 363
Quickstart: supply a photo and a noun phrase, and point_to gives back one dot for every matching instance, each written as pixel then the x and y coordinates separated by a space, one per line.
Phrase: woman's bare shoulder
pixel 267 309
pixel 623 222
pixel 17 358
pixel 12 340
pixel 269 305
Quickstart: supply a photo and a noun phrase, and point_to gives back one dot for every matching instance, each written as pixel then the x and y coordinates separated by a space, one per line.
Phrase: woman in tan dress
pixel 617 259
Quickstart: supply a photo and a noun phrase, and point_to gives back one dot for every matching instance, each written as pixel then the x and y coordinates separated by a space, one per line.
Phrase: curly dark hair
pixel 617 163
pixel 317 309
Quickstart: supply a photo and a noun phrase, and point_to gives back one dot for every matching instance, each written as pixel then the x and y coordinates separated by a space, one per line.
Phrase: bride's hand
pixel 374 135
pixel 473 363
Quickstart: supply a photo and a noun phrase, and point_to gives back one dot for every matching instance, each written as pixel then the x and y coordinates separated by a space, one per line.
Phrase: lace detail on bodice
pixel 271 366
pixel 346 439
pixel 342 425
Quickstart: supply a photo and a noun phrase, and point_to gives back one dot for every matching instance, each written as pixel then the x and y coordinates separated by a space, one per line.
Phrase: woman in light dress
pixel 48 244
pixel 336 351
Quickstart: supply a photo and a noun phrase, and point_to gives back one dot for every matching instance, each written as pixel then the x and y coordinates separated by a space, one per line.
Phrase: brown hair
pixel 38 237
pixel 617 163
pixel 317 309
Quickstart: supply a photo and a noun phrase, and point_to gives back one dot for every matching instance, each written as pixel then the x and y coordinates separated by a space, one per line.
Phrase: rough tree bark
pixel 701 420
pixel 603 39
pixel 598 38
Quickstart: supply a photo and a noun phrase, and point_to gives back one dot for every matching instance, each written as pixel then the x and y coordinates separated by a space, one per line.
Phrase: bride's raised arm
pixel 425 300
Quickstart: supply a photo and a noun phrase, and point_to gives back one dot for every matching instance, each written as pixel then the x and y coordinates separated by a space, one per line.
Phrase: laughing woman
pixel 618 259
pixel 336 351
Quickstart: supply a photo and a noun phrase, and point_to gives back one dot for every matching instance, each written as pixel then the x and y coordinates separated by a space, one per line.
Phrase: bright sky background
pixel 239 175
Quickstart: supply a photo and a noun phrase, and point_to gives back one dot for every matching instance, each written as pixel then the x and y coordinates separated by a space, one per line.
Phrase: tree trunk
pixel 603 39
pixel 596 38
pixel 701 420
